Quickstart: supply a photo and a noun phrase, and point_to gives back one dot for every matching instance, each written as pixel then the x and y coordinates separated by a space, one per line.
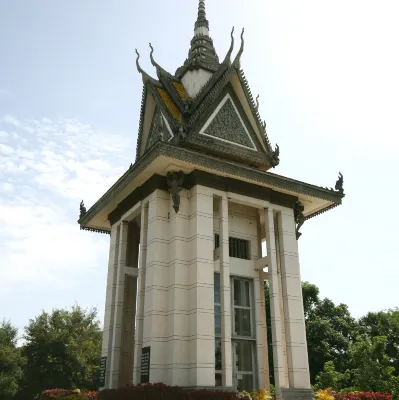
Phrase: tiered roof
pixel 183 113
pixel 217 132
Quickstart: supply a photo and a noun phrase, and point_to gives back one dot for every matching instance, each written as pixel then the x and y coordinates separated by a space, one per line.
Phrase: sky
pixel 327 75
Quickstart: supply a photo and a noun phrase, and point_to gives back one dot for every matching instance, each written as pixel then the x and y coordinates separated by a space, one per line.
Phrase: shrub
pixel 362 396
pixel 325 394
pixel 161 391
pixel 55 394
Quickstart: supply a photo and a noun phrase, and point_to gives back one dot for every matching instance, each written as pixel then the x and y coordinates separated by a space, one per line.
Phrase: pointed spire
pixel 201 19
pixel 202 53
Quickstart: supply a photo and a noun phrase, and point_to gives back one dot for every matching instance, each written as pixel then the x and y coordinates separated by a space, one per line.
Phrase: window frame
pixel 237 338
pixel 238 247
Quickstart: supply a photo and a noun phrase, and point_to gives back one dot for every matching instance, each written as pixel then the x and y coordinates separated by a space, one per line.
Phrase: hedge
pixel 161 391
pixel 55 394
pixel 362 396
pixel 164 392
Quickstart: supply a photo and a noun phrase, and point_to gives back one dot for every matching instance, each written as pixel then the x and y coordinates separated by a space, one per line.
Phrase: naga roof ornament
pixel 160 71
pixel 237 60
pixel 227 59
pixel 144 74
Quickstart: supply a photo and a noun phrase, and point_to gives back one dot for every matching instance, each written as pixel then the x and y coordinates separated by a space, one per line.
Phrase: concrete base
pixel 297 394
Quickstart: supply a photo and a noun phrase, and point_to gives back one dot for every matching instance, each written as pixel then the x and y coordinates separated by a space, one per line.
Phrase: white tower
pixel 188 221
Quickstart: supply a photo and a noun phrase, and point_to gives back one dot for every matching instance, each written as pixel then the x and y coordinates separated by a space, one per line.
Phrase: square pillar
pixel 155 313
pixel 110 301
pixel 178 292
pixel 277 322
pixel 140 294
pixel 297 353
pixel 117 337
pixel 202 325
pixel 261 333
pixel 260 319
pixel 225 293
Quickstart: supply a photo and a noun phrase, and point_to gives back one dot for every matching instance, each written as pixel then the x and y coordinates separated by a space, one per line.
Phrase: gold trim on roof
pixel 170 105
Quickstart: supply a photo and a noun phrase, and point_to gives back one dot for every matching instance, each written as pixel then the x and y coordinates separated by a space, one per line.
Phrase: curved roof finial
pixel 151 55
pixel 257 103
pixel 239 54
pixel 160 70
pixel 137 62
pixel 228 55
pixel 144 74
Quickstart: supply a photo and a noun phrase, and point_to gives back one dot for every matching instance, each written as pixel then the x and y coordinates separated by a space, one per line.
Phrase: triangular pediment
pixel 159 130
pixel 222 127
pixel 226 125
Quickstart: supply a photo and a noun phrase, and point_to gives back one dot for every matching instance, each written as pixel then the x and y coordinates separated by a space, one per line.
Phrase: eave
pixel 162 155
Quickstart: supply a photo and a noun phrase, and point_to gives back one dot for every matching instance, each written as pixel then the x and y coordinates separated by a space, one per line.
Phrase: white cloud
pixel 42 180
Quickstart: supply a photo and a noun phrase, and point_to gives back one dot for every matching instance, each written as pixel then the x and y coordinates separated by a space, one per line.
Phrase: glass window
pixel 218 354
pixel 241 293
pixel 242 322
pixel 244 356
pixel 218 327
pixel 243 334
pixel 216 288
pixel 217 241
pixel 238 248
pixel 245 382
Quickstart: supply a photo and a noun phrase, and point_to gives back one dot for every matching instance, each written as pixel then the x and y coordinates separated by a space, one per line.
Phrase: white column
pixel 140 294
pixel 275 306
pixel 225 297
pixel 297 354
pixel 110 301
pixel 118 309
pixel 179 293
pixel 280 291
pixel 261 328
pixel 155 326
pixel 202 325
pixel 261 333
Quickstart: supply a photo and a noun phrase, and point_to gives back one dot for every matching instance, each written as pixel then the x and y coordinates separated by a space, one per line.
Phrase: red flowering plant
pixel 55 394
pixel 157 391
pixel 362 396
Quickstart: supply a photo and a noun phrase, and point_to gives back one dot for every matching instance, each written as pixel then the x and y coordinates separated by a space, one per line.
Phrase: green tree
pixel 384 323
pixel 63 350
pixel 330 329
pixel 372 372
pixel 330 378
pixel 11 362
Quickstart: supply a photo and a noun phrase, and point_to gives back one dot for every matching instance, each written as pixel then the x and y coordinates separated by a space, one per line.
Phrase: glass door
pixel 243 365
pixel 243 335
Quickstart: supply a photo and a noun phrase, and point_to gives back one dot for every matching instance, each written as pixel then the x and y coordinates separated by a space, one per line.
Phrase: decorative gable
pixel 225 124
pixel 159 130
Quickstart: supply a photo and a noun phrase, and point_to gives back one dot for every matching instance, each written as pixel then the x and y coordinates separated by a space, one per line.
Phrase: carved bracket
pixel 299 218
pixel 175 181
pixel 82 210
pixel 339 185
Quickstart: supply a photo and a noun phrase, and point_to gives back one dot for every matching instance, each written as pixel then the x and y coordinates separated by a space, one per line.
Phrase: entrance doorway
pixel 243 365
